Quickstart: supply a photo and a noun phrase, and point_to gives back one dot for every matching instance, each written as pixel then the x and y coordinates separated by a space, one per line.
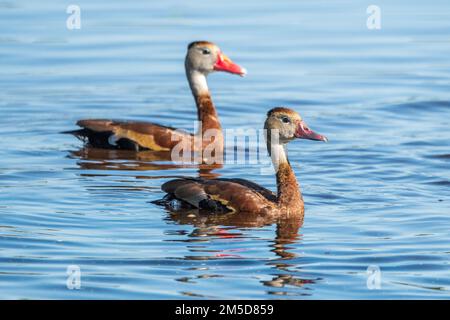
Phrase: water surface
pixel 377 195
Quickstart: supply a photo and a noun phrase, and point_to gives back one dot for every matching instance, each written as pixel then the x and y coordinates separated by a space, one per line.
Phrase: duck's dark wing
pixel 221 195
pixel 135 135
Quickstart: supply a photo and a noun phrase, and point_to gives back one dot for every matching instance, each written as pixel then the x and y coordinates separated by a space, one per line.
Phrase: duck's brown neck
pixel 206 112
pixel 289 195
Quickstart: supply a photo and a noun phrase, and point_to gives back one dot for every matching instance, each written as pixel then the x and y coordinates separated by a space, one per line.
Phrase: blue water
pixel 377 195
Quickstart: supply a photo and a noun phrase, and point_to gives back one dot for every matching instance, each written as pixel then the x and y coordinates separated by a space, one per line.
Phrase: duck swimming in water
pixel 202 58
pixel 243 196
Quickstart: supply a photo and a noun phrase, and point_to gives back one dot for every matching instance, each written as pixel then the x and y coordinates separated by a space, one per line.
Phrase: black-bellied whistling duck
pixel 242 196
pixel 202 58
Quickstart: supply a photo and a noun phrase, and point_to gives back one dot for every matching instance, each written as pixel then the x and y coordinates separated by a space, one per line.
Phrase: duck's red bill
pixel 304 132
pixel 224 63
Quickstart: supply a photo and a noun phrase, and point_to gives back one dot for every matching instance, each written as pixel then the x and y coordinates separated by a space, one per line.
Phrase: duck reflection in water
pixel 90 158
pixel 231 226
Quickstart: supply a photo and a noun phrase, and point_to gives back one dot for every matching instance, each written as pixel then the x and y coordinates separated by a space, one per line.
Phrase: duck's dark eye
pixel 206 51
pixel 286 120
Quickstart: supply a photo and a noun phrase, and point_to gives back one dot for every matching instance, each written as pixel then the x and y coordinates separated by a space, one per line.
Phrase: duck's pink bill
pixel 224 63
pixel 304 132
